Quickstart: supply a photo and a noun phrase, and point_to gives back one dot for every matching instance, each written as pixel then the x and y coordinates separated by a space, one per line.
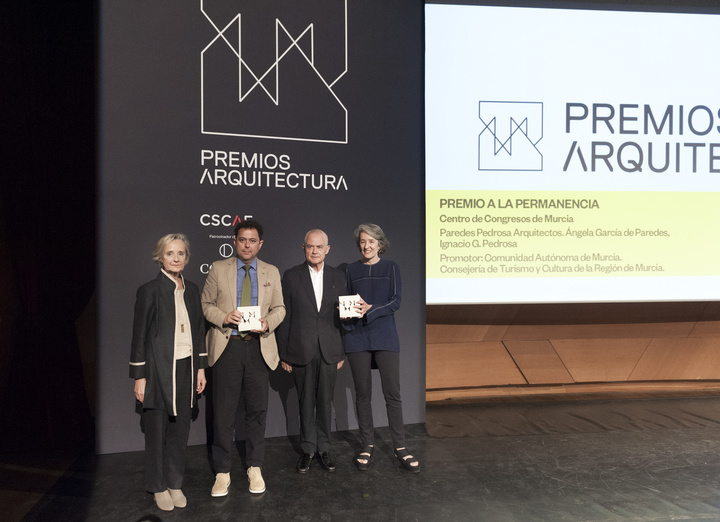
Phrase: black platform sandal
pixel 365 454
pixel 407 460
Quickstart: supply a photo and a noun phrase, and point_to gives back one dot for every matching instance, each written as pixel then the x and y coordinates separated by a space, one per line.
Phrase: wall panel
pixel 573 348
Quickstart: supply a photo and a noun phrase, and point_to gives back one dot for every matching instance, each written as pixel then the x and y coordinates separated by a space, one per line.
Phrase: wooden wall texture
pixel 495 350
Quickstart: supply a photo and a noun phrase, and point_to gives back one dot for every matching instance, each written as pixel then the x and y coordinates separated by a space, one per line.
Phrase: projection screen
pixel 572 155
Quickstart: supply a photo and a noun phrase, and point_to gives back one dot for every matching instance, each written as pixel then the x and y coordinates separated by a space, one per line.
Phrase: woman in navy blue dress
pixel 372 338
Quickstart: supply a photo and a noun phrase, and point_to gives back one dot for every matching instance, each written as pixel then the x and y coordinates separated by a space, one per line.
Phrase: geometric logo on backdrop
pixel 271 69
pixel 510 134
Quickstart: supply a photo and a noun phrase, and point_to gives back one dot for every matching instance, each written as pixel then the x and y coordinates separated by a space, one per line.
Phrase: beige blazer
pixel 219 298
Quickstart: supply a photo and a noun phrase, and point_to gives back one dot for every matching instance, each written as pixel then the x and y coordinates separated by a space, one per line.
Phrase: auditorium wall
pixel 609 349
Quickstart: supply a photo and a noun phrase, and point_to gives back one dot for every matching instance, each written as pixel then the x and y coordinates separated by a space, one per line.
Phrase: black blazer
pixel 304 328
pixel 153 343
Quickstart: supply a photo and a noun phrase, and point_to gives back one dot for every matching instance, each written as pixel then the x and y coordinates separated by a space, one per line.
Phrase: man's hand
pixel 233 317
pixel 263 324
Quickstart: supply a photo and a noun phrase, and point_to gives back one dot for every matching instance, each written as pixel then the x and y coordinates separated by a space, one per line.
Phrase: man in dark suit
pixel 310 344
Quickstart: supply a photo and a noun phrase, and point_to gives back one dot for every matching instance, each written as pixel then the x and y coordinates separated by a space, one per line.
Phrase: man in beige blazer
pixel 241 361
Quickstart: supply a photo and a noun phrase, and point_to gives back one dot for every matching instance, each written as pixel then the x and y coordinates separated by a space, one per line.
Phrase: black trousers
pixel 166 436
pixel 315 383
pixel 239 372
pixel 388 364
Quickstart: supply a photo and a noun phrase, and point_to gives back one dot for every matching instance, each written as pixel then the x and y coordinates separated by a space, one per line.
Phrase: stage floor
pixel 624 460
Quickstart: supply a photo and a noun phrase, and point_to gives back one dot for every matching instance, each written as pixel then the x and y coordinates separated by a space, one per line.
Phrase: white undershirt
pixel 183 338
pixel 316 276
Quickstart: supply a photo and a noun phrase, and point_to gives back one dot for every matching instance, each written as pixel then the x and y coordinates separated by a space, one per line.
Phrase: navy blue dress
pixel 378 285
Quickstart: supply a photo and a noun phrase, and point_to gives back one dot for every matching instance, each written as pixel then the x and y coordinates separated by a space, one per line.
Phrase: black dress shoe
pixel 326 461
pixel 303 465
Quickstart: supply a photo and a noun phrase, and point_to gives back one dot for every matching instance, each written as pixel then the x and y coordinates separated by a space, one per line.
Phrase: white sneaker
pixel 164 500
pixel 257 484
pixel 220 488
pixel 178 498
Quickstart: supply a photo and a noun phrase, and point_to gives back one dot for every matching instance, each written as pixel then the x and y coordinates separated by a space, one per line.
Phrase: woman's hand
pixel 362 307
pixel 140 389
pixel 201 381
pixel 285 366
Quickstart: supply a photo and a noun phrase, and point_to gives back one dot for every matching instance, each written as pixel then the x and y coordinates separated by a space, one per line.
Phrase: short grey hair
pixel 164 242
pixel 317 231
pixel 373 231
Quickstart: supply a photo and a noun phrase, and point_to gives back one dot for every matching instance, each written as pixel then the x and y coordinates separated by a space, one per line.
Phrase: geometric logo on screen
pixel 510 135
pixel 272 69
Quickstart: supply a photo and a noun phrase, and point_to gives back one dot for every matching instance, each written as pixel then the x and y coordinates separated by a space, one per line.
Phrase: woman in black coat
pixel 168 362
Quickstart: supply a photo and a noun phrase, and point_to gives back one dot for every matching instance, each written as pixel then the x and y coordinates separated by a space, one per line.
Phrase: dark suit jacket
pixel 153 343
pixel 304 328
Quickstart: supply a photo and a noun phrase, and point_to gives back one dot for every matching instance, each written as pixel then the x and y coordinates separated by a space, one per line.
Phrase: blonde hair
pixel 165 241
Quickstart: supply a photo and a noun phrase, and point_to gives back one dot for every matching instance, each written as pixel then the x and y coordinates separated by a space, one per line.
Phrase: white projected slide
pixel 572 155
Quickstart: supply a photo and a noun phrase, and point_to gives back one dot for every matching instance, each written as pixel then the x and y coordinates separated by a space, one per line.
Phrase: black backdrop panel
pixel 301 114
